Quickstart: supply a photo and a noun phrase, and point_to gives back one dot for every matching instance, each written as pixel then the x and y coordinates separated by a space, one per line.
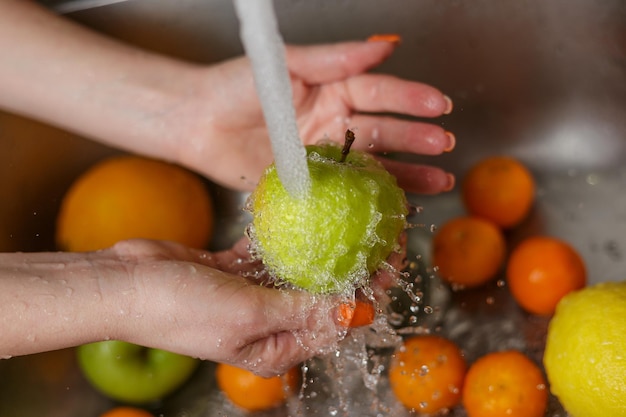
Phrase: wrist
pixel 51 301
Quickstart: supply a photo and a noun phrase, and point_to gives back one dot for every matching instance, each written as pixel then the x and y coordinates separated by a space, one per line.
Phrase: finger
pixel 387 134
pixel 386 93
pixel 235 258
pixel 295 326
pixel 321 64
pixel 419 179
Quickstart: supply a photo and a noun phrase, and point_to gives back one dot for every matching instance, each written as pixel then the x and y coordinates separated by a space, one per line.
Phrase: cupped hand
pixel 201 304
pixel 332 91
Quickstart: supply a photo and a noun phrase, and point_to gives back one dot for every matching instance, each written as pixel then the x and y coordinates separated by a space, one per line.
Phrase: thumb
pixel 320 64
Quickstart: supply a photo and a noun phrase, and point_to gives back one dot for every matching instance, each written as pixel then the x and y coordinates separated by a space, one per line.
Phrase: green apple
pixel 332 239
pixel 134 374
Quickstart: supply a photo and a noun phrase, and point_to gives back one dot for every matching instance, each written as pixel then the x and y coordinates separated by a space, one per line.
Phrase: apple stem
pixel 348 140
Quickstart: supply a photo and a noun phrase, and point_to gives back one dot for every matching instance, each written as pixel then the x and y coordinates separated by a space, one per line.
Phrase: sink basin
pixel 542 81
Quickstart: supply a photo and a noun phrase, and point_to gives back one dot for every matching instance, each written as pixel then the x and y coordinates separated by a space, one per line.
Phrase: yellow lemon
pixel 585 356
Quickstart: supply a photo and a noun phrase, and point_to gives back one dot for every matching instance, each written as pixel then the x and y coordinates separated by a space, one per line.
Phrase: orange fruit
pixel 426 374
pixel 500 189
pixel 468 251
pixel 253 392
pixel 541 270
pixel 132 197
pixel 125 411
pixel 505 384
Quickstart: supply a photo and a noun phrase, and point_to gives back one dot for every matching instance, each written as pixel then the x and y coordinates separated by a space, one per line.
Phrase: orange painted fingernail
pixel 356 314
pixel 364 314
pixel 345 313
pixel 450 105
pixel 385 37
pixel 450 183
pixel 451 142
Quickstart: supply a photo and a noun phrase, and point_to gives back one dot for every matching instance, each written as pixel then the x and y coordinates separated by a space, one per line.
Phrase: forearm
pixel 60 72
pixel 51 301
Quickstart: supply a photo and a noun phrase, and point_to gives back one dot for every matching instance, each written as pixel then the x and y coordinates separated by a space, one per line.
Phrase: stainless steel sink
pixel 544 81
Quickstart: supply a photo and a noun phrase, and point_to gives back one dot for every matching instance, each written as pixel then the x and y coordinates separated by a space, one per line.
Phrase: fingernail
pixel 385 37
pixel 449 106
pixel 345 313
pixel 451 142
pixel 450 182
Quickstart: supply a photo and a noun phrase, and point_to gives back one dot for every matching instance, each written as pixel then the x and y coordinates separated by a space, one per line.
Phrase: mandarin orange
pixel 468 251
pixel 426 374
pixel 505 383
pixel 500 189
pixel 541 270
pixel 252 392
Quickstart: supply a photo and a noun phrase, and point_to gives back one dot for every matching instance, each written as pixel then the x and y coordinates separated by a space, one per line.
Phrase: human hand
pixel 209 118
pixel 332 92
pixel 212 306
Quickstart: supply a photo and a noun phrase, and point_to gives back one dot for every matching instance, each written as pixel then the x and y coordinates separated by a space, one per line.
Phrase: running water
pixel 265 49
pixel 351 379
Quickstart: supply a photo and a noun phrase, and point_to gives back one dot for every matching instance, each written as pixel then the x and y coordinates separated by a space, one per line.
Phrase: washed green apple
pixel 133 374
pixel 332 239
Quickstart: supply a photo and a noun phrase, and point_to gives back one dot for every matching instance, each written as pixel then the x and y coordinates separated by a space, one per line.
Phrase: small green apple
pixel 335 237
pixel 134 374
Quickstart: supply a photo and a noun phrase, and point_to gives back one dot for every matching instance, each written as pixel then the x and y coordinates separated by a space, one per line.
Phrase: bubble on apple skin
pixel 359 276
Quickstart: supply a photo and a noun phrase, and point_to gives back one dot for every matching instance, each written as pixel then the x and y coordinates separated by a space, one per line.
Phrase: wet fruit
pixel 541 270
pixel 468 251
pixel 426 374
pixel 253 392
pixel 500 189
pixel 332 239
pixel 505 383
pixel 584 356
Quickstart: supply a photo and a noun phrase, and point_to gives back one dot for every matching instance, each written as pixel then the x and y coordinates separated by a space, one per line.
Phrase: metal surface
pixel 541 80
